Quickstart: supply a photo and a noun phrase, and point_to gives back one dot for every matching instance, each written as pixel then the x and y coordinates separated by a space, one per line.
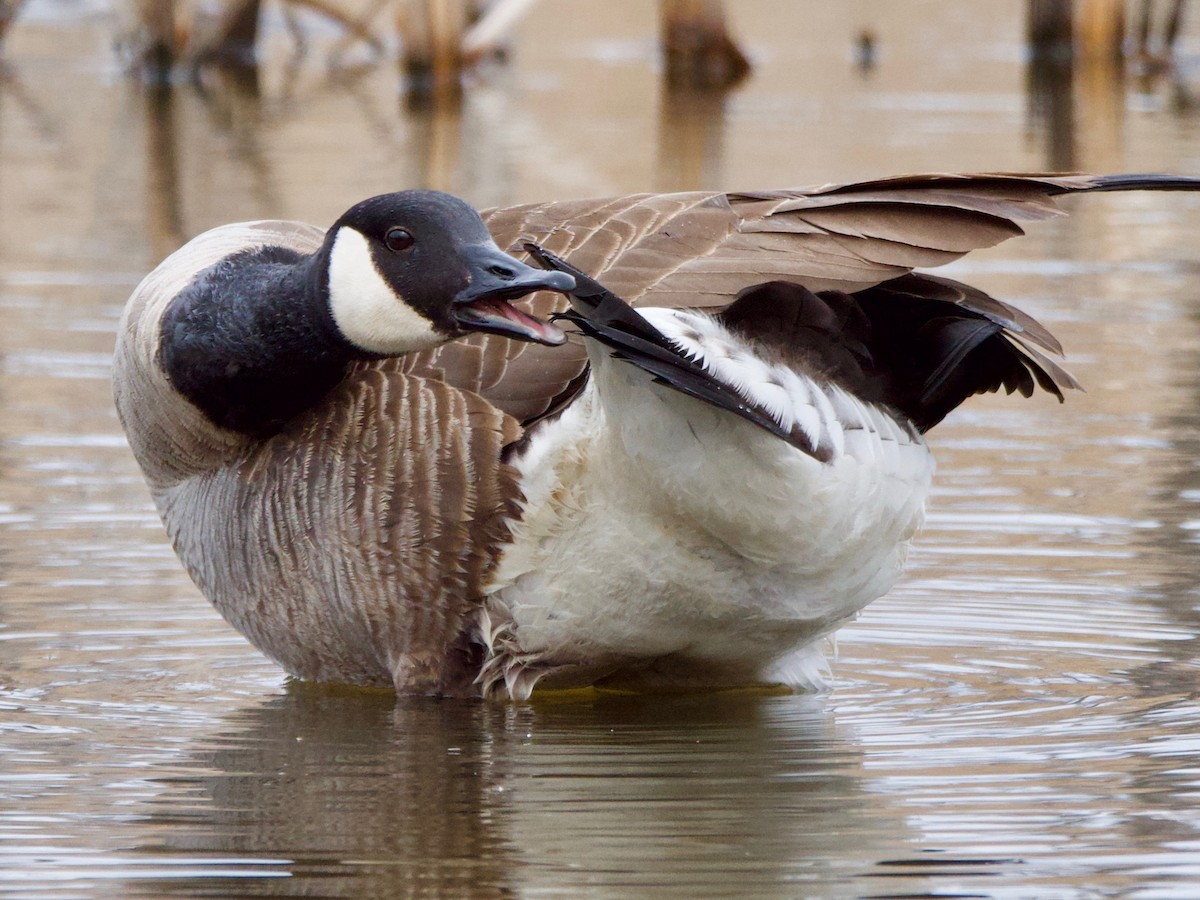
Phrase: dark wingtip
pixel 548 260
pixel 587 290
pixel 596 303
pixel 1145 181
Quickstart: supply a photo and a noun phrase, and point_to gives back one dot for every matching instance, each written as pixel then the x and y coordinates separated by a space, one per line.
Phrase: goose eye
pixel 398 240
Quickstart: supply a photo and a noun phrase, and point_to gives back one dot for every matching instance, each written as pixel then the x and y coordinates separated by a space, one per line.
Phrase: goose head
pixel 411 270
pixel 269 326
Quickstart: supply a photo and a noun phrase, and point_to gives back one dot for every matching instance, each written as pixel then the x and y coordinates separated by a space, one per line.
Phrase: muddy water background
pixel 1018 718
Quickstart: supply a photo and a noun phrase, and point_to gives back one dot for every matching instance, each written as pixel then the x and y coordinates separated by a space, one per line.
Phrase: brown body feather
pixel 355 545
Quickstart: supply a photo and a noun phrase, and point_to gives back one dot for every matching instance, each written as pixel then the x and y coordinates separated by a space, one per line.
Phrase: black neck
pixel 252 342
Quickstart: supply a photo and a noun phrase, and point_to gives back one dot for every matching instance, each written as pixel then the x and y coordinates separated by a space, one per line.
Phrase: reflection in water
pixel 232 96
pixel 730 793
pixel 436 122
pixel 1076 99
pixel 1157 37
pixel 690 138
pixel 1100 114
pixel 345 781
pixel 15 95
pixel 1050 93
pixel 164 217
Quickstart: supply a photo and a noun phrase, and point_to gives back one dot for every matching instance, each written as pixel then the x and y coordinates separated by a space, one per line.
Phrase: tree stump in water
pixel 696 44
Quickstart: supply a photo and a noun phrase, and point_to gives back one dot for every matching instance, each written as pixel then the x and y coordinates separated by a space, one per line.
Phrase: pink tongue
pixel 545 330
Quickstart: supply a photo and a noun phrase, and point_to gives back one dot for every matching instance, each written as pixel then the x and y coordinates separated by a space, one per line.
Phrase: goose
pixel 675 450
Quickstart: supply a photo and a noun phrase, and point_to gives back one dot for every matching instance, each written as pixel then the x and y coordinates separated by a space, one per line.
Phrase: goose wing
pixel 700 249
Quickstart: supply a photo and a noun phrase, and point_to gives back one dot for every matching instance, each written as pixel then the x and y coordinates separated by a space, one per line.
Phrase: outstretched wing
pixel 700 249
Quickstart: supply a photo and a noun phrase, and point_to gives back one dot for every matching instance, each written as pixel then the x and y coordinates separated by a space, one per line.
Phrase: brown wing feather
pixel 700 249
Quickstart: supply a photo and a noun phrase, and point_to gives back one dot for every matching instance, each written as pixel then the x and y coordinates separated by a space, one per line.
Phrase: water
pixel 1018 718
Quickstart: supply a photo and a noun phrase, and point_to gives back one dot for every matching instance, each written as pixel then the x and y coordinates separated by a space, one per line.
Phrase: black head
pixel 411 270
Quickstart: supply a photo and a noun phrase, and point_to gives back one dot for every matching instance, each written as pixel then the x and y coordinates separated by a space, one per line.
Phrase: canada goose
pixel 382 472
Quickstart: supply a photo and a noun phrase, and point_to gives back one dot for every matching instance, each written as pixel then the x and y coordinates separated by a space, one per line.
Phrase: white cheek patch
pixel 368 312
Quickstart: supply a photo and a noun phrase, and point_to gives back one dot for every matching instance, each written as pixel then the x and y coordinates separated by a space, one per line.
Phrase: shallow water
pixel 1019 717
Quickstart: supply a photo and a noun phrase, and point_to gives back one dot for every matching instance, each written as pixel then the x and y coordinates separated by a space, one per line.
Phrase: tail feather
pixel 956 339
pixel 938 342
pixel 919 343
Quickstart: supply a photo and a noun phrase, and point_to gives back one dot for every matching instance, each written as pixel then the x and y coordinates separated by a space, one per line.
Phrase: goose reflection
pixel 353 793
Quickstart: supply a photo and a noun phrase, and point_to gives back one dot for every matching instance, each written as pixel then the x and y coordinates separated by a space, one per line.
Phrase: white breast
pixel 664 540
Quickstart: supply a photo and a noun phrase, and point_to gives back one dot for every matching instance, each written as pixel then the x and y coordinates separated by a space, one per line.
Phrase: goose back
pixel 172 439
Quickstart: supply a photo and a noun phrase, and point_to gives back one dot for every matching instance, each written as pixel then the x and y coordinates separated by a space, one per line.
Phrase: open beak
pixel 497 278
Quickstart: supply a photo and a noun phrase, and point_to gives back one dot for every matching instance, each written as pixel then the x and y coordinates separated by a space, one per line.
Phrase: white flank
pixel 675 543
pixel 368 312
